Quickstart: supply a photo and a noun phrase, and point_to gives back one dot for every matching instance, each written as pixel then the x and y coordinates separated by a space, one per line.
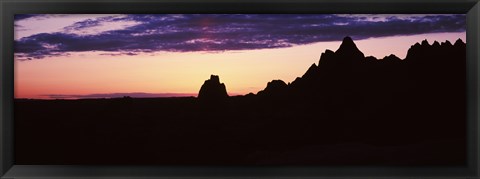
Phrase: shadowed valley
pixel 349 109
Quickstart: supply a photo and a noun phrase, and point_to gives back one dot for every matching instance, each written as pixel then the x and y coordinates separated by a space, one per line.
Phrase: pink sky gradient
pixel 92 73
pixel 173 72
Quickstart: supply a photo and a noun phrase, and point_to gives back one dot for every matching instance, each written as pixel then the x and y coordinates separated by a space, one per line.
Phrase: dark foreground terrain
pixel 347 110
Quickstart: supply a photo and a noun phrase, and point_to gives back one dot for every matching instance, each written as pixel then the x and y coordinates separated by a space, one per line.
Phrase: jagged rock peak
pixel 311 71
pixel 348 40
pixel 214 79
pixel 326 55
pixel 425 47
pixel 415 45
pixel 448 43
pixel 425 43
pixel 459 42
pixel 276 83
pixel 348 47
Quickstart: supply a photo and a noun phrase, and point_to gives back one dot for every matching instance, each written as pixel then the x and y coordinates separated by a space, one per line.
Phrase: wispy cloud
pixel 98 25
pixel 221 32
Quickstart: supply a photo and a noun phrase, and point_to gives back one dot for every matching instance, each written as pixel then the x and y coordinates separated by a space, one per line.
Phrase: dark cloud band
pixel 221 32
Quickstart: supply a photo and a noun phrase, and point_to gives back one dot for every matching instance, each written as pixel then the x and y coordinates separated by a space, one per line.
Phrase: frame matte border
pixel 8 8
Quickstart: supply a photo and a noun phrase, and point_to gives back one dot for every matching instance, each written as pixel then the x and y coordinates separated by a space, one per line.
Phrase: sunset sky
pixel 109 55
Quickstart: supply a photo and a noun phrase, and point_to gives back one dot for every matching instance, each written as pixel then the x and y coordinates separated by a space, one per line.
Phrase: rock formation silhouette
pixel 212 90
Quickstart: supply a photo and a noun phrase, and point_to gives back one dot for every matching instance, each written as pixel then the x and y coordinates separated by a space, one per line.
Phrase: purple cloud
pixel 222 32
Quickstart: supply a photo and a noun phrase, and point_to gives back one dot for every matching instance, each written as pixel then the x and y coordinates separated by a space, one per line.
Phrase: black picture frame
pixel 8 8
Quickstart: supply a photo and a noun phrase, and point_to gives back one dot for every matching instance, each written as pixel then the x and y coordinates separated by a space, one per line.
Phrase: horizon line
pixel 137 95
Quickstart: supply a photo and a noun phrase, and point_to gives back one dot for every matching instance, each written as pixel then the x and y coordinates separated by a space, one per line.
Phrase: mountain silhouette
pixel 347 68
pixel 213 90
pixel 366 90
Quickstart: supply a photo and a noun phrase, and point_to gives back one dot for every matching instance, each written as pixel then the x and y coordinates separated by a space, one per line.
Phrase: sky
pixel 59 56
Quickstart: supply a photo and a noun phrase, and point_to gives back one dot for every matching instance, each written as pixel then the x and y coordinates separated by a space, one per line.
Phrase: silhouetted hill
pixel 275 88
pixel 212 90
